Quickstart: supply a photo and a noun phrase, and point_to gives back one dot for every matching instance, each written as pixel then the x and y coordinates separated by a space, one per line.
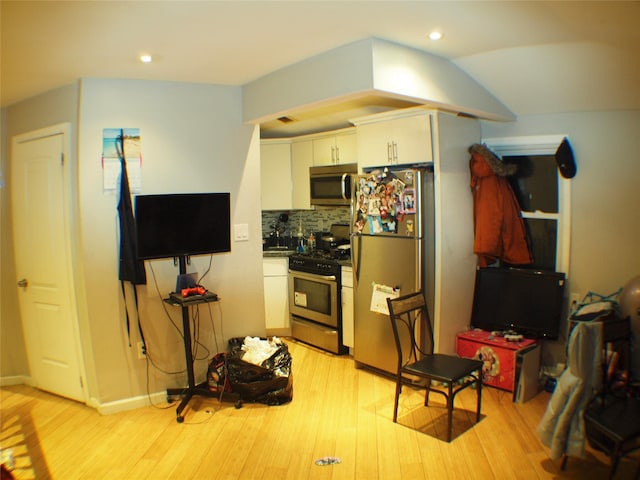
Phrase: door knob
pixel 23 283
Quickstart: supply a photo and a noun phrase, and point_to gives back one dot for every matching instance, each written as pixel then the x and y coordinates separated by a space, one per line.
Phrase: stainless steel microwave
pixel 331 184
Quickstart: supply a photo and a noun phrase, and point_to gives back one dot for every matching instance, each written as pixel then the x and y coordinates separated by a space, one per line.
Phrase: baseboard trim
pixel 102 408
pixel 16 380
pixel 131 403
pixel 278 332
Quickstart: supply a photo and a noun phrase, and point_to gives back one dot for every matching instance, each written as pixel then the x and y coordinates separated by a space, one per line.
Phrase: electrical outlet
pixel 575 298
pixel 142 350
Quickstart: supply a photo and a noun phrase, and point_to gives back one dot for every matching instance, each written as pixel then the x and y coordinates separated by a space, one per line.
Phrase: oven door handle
pixel 313 276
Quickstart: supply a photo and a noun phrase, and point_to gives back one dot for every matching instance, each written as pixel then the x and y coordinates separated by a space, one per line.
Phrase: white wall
pixel 193 140
pixel 455 262
pixel 51 108
pixel 605 230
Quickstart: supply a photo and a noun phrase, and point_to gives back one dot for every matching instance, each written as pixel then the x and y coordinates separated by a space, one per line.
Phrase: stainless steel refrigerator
pixel 392 254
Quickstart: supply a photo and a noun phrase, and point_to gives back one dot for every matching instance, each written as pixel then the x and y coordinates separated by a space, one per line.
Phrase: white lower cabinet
pixel 347 306
pixel 276 295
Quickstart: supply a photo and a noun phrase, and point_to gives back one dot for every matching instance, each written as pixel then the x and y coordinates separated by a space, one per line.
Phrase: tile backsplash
pixel 317 220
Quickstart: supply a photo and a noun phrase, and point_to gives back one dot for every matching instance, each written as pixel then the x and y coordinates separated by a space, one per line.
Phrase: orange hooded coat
pixel 498 227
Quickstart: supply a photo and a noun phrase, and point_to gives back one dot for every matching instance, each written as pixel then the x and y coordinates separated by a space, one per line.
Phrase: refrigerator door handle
pixel 358 259
pixel 343 184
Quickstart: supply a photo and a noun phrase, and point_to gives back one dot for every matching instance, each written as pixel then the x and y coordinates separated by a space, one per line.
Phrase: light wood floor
pixel 337 411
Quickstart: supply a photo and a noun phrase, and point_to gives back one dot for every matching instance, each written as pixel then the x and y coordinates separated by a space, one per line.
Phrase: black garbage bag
pixel 217 374
pixel 270 382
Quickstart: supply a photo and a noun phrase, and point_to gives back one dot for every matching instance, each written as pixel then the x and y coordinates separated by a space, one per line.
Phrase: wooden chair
pixel 413 335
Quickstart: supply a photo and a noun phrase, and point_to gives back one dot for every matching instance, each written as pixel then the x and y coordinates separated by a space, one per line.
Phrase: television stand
pixel 191 389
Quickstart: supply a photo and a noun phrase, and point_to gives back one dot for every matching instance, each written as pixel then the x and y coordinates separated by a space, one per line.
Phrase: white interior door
pixel 42 251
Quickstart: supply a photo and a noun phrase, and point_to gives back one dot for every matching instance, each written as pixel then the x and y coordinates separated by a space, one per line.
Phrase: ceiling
pixel 536 57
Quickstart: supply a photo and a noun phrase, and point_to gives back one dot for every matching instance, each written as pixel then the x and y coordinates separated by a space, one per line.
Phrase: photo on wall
pixel 111 158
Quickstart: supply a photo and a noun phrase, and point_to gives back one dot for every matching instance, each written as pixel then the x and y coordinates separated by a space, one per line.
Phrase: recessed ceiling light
pixel 146 58
pixel 435 35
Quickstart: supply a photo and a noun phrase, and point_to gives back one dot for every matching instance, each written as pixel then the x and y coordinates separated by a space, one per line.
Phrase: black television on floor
pixel 529 302
pixel 182 225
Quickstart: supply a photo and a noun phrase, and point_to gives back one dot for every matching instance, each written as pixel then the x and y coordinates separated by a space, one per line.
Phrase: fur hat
pixel 498 166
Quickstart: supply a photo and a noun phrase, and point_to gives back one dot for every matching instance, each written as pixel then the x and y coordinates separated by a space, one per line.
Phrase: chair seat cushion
pixel 445 368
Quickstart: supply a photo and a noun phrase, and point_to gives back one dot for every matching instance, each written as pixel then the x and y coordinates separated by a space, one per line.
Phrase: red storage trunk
pixel 500 356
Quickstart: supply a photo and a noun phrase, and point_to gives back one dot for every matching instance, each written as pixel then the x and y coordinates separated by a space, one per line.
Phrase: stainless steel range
pixel 315 303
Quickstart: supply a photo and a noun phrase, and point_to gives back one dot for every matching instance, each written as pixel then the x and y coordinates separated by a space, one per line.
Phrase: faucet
pixel 279 227
pixel 277 230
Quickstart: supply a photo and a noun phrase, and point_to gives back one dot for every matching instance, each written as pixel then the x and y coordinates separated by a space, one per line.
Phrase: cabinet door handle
pixel 333 154
pixel 389 154
pixel 395 152
pixel 337 154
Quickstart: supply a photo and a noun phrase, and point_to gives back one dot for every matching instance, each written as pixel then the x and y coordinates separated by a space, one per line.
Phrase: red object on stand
pixel 498 354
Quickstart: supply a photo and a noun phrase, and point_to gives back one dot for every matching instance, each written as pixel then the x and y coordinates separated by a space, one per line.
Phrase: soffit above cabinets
pixel 363 78
pixel 329 117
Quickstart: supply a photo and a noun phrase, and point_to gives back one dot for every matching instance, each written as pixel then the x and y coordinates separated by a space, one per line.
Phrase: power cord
pixel 195 319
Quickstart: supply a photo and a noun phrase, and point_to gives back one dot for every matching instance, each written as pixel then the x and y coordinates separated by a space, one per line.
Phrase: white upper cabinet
pixel 275 175
pixel 397 138
pixel 337 148
pixel 301 160
pixel 285 162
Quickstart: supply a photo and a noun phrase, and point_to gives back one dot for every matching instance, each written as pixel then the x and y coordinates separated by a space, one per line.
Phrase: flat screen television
pixel 182 225
pixel 529 302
